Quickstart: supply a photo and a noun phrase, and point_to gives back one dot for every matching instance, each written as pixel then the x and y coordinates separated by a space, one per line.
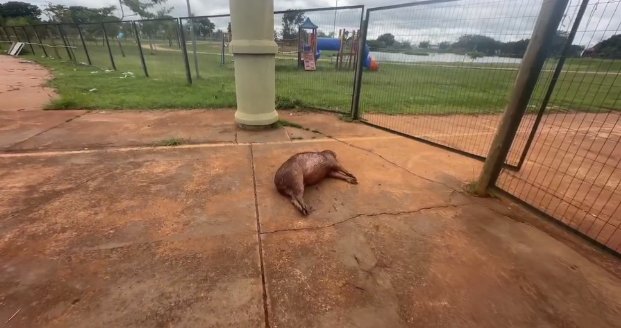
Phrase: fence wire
pixel 445 69
pixel 572 169
pixel 160 44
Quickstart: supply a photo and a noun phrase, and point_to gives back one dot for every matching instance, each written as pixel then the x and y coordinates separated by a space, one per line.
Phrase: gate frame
pixel 557 72
pixel 355 104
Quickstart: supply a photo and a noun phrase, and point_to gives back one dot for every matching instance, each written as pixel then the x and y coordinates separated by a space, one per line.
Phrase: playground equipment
pixel 310 47
pixel 308 52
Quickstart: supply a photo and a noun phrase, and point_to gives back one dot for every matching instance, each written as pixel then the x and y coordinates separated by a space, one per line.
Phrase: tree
pixel 375 45
pixel 518 48
pixel 424 44
pixel 229 32
pixel 476 43
pixel 609 48
pixel 387 38
pixel 16 9
pixel 514 48
pixel 80 15
pixel 406 45
pixel 143 8
pixel 202 26
pixel 558 43
pixel 291 19
pixel 444 45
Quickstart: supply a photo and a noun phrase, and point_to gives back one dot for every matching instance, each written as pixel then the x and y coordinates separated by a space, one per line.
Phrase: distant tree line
pixel 487 46
pixel 16 13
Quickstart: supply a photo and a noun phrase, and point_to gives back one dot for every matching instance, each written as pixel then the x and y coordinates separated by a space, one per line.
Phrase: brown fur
pixel 305 169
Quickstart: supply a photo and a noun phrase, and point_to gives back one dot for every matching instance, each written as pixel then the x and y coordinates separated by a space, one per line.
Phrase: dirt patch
pixel 22 86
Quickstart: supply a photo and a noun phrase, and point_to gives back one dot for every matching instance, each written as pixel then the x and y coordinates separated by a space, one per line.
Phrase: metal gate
pixel 571 168
pixel 445 69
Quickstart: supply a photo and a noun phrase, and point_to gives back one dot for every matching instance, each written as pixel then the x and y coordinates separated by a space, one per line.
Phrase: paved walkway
pixel 103 226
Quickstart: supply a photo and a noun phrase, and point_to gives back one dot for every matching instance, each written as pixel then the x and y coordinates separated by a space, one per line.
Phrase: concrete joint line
pixel 30 153
pixel 260 243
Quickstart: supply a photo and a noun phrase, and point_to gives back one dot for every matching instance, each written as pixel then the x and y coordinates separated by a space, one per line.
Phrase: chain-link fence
pixel 569 149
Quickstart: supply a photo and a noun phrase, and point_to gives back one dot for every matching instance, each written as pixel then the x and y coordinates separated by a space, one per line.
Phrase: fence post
pixel 144 64
pixel 105 35
pixel 547 23
pixel 88 57
pixel 184 51
pixel 362 40
pixel 222 50
pixel 555 75
pixel 28 39
pixel 193 36
pixel 62 36
pixel 34 28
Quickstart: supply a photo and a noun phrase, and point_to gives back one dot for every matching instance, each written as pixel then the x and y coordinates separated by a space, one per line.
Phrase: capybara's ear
pixel 330 152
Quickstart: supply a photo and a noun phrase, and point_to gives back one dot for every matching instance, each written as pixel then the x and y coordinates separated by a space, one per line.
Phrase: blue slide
pixel 335 45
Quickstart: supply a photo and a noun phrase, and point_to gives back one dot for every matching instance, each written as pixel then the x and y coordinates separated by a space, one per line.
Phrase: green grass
pixel 394 89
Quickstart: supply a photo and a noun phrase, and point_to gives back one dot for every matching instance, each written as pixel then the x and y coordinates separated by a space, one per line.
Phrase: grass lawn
pixel 394 89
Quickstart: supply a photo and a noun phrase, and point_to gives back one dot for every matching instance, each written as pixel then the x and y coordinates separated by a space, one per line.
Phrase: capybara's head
pixel 331 153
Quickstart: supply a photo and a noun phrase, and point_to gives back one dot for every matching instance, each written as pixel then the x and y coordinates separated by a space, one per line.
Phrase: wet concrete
pixel 135 237
pixel 124 234
pixel 16 127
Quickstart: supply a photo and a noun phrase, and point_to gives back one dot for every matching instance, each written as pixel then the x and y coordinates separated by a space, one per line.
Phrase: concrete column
pixel 254 51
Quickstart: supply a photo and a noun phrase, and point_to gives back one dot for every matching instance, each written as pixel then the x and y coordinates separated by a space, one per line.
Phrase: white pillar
pixel 254 51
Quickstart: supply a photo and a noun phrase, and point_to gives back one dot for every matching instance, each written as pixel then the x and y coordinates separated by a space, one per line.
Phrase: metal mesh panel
pixel 572 169
pixel 158 38
pixel 446 68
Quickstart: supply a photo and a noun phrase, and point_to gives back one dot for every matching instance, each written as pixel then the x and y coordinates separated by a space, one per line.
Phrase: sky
pixel 504 20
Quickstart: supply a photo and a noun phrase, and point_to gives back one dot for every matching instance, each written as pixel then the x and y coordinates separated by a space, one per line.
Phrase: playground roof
pixel 308 24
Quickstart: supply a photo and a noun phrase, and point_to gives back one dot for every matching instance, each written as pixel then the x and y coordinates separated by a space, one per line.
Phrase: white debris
pixel 94 72
pixel 108 71
pixel 93 89
pixel 127 74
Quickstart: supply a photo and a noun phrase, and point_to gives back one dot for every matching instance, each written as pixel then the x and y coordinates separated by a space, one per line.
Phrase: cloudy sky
pixel 504 20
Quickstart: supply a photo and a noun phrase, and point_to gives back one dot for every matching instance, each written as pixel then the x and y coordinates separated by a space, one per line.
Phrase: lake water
pixel 440 58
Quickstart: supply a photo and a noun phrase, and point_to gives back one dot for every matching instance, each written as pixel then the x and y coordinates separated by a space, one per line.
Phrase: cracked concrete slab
pixel 136 128
pixel 382 187
pixel 200 282
pixel 450 169
pixel 16 127
pixel 451 267
pixel 134 236
pixel 142 238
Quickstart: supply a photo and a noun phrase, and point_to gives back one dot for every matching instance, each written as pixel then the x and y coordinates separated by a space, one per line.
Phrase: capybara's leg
pixel 341 169
pixel 338 175
pixel 298 202
pixel 297 195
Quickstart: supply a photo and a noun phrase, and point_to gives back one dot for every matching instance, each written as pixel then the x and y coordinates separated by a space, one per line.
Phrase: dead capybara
pixel 305 169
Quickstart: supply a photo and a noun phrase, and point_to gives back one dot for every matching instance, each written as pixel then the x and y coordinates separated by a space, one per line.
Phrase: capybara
pixel 305 169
